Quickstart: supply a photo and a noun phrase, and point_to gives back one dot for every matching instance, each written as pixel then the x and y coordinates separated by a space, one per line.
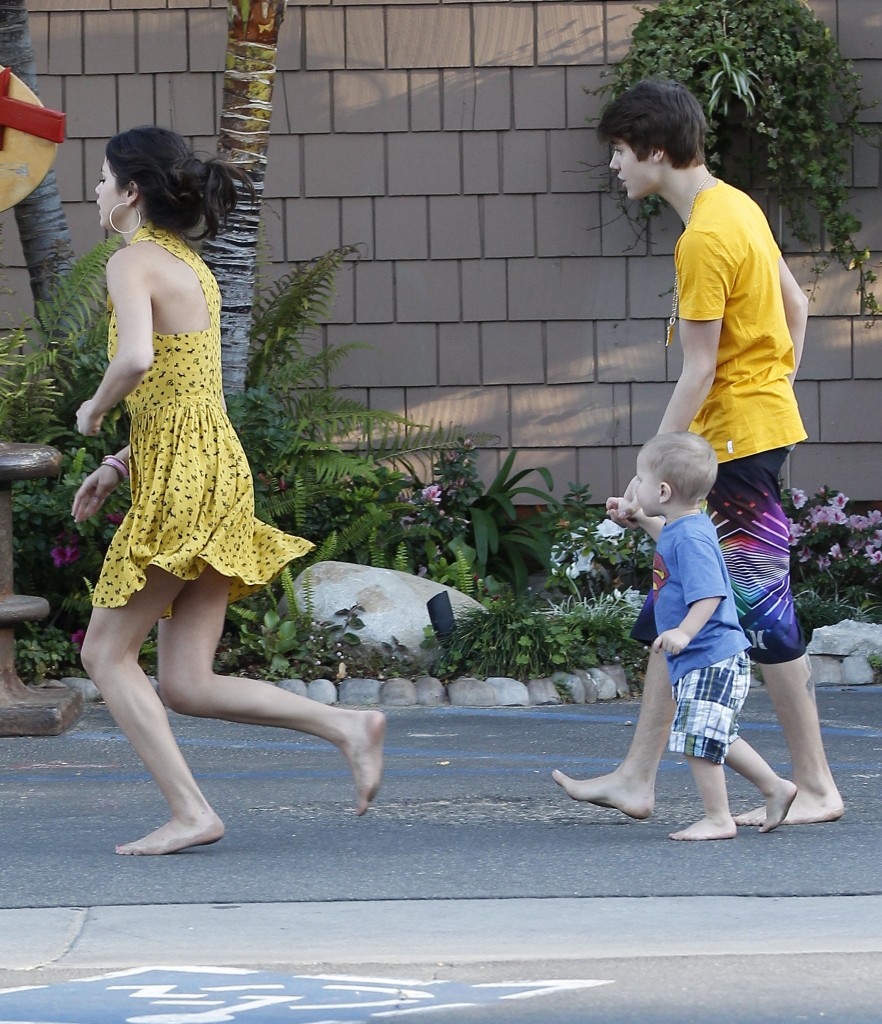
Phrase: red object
pixel 27 117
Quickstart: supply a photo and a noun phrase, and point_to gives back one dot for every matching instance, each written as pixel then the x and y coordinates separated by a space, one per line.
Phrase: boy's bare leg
pixel 717 822
pixel 779 793
pixel 793 696
pixel 631 787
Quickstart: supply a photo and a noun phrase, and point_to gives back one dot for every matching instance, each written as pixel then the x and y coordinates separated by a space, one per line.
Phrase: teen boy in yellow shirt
pixel 742 319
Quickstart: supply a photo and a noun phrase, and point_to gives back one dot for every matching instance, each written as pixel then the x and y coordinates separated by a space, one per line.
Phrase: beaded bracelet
pixel 117 464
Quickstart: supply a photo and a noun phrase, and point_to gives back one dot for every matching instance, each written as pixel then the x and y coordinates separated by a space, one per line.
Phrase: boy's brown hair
pixel 657 114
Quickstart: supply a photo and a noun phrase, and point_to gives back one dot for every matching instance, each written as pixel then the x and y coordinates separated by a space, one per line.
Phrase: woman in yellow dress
pixel 189 543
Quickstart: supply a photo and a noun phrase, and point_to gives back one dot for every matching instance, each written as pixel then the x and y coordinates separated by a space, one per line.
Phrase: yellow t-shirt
pixel 727 268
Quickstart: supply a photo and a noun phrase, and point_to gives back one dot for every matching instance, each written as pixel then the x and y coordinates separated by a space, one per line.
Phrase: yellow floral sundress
pixel 192 490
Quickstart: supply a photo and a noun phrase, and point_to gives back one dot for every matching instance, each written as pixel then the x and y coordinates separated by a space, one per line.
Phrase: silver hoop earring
pixel 120 231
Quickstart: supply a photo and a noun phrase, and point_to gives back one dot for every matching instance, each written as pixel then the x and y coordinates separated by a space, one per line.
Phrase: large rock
pixel 394 603
pixel 847 637
pixel 840 654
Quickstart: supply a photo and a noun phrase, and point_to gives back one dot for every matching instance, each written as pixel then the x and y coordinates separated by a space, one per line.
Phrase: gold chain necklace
pixel 675 305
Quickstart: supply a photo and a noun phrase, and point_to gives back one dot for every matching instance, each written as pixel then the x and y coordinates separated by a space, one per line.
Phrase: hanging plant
pixel 772 70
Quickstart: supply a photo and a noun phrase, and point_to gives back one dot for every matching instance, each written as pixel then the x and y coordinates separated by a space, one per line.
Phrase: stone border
pixel 583 686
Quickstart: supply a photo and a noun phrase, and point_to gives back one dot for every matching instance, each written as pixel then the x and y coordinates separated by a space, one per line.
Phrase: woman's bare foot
pixel 805 810
pixel 777 805
pixel 175 836
pixel 363 749
pixel 608 791
pixel 707 829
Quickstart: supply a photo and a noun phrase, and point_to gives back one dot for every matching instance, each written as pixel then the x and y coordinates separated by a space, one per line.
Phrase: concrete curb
pixel 440 931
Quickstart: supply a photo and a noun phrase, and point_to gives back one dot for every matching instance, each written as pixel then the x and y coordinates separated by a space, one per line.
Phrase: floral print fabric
pixel 192 491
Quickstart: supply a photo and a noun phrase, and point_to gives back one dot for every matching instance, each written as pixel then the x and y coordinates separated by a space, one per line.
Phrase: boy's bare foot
pixel 607 791
pixel 363 749
pixel 778 805
pixel 175 836
pixel 707 829
pixel 805 810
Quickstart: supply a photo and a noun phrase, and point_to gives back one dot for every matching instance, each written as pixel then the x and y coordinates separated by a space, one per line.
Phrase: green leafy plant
pixel 591 555
pixel 603 625
pixel 508 545
pixel 523 639
pixel 767 72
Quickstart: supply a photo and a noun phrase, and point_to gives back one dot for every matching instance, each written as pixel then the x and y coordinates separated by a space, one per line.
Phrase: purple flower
pixel 67 552
pixel 115 517
pixel 799 498
pixel 78 637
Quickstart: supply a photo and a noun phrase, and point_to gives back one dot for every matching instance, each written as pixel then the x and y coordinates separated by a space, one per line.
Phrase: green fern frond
pixel 401 561
pixel 77 296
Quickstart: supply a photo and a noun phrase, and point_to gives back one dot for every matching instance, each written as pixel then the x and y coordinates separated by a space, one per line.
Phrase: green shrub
pixel 769 74
pixel 519 638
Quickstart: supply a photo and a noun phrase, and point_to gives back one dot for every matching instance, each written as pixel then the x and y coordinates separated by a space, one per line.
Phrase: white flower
pixel 608 530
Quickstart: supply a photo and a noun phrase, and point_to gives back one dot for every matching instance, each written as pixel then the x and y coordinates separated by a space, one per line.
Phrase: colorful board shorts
pixel 754 534
pixel 708 703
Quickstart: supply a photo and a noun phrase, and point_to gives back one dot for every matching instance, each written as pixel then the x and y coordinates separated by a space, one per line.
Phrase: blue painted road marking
pixel 219 995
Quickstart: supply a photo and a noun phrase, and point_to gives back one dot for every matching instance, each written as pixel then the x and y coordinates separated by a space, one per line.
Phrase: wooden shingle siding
pixel 450 140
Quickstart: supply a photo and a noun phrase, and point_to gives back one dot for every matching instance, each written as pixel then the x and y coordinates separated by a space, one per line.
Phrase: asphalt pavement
pixel 473 871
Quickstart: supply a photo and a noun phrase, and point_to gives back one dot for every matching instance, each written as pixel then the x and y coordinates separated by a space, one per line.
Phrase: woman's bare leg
pixel 793 697
pixel 188 684
pixel 631 787
pixel 110 656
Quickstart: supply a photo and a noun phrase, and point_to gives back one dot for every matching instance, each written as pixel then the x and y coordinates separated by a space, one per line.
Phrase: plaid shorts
pixel 708 703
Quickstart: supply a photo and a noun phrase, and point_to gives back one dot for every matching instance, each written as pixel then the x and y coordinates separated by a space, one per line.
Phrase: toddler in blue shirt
pixel 698 631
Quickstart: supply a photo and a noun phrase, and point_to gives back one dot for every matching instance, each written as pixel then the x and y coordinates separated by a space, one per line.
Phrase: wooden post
pixel 25 710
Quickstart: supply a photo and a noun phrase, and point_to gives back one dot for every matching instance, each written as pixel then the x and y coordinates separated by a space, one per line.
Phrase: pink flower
pixel 874 556
pixel 858 522
pixel 839 518
pixel 115 517
pixel 805 555
pixel 819 516
pixel 875 516
pixel 67 552
pixel 799 498
pixel 838 500
pixel 797 530
pixel 836 553
pixel 823 563
pixel 78 637
pixel 433 493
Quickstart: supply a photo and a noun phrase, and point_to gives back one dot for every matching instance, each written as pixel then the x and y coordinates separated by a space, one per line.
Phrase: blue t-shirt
pixel 688 566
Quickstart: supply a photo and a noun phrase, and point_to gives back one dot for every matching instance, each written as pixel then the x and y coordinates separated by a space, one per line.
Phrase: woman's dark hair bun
pixel 180 191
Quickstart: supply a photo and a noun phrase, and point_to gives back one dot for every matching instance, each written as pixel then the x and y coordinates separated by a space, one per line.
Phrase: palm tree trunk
pixel 42 224
pixel 249 77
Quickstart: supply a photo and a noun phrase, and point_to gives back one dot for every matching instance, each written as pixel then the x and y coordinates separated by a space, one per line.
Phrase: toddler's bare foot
pixel 805 810
pixel 363 749
pixel 707 829
pixel 777 805
pixel 608 791
pixel 175 836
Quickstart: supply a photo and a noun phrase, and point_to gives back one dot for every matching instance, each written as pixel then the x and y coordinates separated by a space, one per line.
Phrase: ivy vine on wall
pixel 783 106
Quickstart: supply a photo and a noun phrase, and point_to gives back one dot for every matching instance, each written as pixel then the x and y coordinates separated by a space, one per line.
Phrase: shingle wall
pixel 498 286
